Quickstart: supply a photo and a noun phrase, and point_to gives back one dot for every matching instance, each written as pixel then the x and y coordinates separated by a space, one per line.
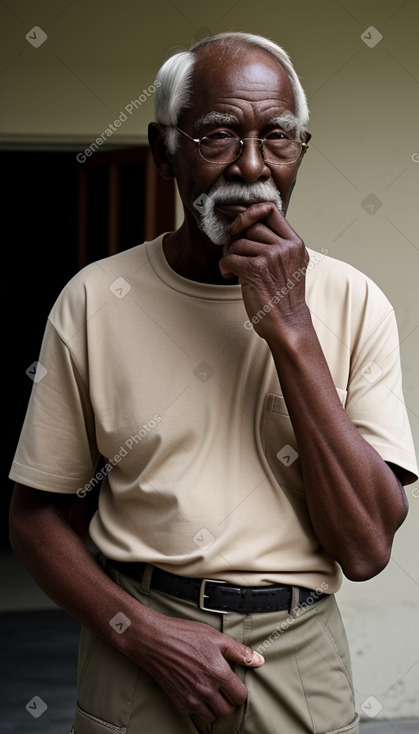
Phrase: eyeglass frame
pixel 304 148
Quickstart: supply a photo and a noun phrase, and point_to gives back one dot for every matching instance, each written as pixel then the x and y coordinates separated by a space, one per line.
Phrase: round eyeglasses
pixel 223 148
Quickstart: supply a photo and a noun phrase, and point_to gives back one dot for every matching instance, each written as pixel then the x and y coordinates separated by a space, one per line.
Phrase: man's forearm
pixel 171 650
pixel 355 501
pixel 64 568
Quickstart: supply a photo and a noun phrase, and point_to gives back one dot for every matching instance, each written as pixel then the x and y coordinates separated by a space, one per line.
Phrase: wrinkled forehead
pixel 226 75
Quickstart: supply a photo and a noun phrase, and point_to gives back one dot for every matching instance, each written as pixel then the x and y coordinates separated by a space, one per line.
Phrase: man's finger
pixel 253 214
pixel 254 659
pixel 248 245
pixel 243 655
pixel 267 213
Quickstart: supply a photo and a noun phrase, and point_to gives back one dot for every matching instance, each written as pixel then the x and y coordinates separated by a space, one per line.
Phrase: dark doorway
pixel 57 216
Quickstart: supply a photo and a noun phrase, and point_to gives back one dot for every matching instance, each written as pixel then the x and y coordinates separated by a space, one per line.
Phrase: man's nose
pixel 249 166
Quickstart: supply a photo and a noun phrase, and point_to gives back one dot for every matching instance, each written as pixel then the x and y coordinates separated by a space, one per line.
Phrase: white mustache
pixel 243 194
pixel 214 225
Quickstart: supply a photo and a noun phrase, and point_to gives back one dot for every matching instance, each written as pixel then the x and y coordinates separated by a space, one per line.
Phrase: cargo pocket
pixel 323 660
pixel 352 728
pixel 85 723
pixel 106 686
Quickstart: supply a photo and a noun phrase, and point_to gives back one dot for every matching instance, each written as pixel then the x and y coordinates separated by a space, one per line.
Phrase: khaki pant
pixel 304 687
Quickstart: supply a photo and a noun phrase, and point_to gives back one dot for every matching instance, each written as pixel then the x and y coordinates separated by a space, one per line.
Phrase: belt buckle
pixel 203 596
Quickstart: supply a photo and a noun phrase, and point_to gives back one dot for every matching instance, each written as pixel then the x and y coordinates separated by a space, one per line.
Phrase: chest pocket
pixel 279 443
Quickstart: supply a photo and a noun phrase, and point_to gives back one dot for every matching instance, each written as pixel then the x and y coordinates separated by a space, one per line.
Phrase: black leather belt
pixel 219 596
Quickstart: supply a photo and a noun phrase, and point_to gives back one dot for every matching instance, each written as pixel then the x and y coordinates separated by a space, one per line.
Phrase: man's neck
pixel 194 256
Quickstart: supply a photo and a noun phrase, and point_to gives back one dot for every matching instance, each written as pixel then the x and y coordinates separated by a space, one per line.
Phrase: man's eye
pixel 277 135
pixel 220 135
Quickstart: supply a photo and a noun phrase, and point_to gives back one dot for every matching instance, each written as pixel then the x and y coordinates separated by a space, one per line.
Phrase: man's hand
pixel 270 262
pixel 189 661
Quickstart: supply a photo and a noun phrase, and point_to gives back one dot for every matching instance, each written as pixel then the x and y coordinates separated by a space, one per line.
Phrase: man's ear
pixel 159 150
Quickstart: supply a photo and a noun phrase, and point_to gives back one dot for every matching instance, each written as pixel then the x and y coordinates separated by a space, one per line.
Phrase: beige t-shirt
pixel 166 378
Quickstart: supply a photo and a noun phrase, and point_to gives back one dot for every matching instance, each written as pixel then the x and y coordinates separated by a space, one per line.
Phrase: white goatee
pixel 214 224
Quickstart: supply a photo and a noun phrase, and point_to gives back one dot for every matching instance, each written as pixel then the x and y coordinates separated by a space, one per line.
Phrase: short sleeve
pixel 375 401
pixel 57 450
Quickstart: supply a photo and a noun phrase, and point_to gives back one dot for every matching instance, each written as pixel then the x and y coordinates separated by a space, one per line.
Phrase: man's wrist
pixel 292 330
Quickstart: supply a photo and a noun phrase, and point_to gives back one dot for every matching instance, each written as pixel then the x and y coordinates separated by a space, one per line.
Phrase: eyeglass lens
pixel 226 150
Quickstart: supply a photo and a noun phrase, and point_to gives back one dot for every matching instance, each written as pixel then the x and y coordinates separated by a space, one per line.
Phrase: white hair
pixel 173 94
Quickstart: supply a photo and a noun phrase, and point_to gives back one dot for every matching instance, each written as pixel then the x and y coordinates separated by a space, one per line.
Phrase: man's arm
pixel 355 501
pixel 188 659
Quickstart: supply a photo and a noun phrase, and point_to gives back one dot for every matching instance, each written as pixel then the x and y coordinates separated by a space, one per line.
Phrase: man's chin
pixel 218 220
pixel 220 241
pixel 218 233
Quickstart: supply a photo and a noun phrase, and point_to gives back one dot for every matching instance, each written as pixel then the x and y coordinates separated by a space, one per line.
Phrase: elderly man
pixel 244 394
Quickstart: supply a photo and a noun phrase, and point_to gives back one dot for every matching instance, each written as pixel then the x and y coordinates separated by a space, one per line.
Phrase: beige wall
pixel 100 56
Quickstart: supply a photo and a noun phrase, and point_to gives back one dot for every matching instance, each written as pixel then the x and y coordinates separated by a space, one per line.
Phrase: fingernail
pixel 254 657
